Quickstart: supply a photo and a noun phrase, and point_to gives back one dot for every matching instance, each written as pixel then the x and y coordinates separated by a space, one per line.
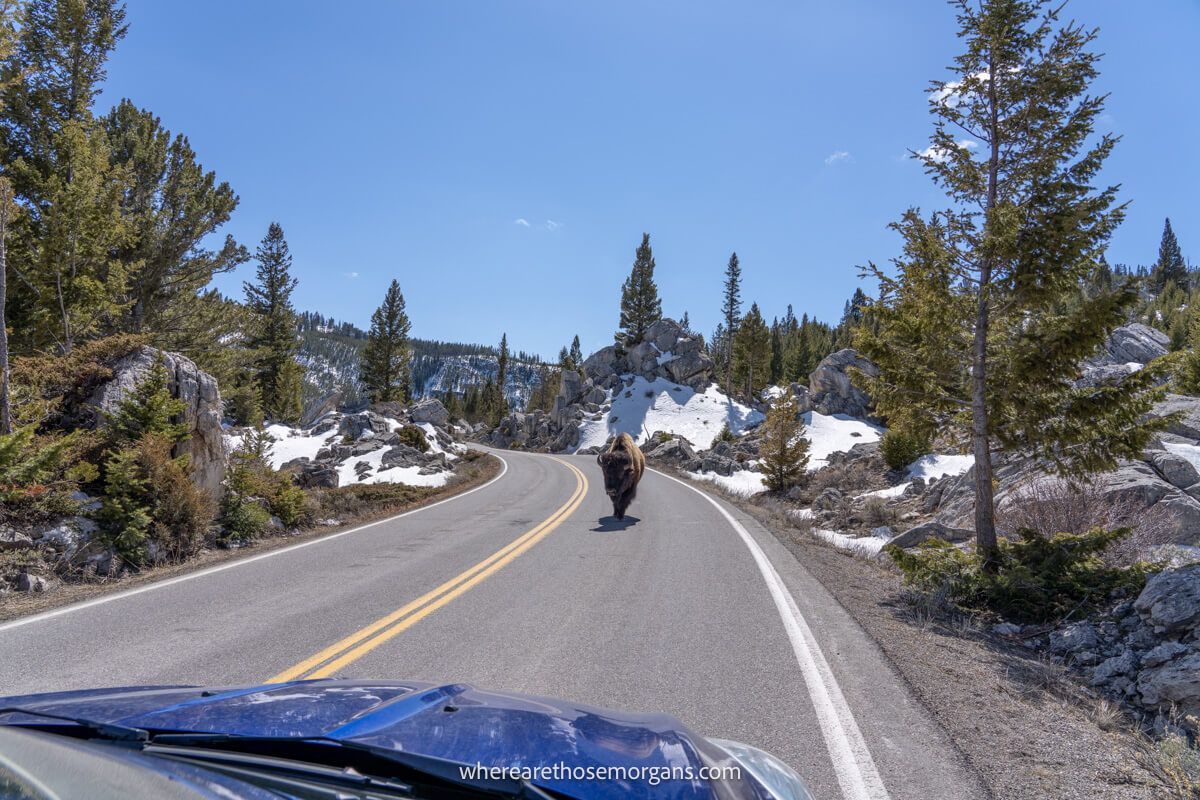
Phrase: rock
pixel 721 465
pixel 321 407
pixel 604 362
pixel 1175 683
pixel 317 476
pixel 828 500
pixel 68 535
pixel 1188 408
pixel 355 426
pixel 31 583
pixel 675 451
pixel 1006 629
pixel 430 410
pixel 1162 654
pixel 1175 469
pixel 1170 602
pixel 12 539
pixel 1133 343
pixel 1119 666
pixel 1078 637
pixel 831 389
pixel 931 530
pixel 202 410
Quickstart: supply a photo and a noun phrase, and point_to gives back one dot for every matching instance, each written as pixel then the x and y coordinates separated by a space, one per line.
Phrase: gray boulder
pixel 1170 602
pixel 13 539
pixel 1134 343
pixel 202 411
pixel 31 583
pixel 571 386
pixel 830 387
pixel 1175 469
pixel 317 476
pixel 430 410
pixel 1175 683
pixel 1077 638
pixel 1187 424
pixel 930 530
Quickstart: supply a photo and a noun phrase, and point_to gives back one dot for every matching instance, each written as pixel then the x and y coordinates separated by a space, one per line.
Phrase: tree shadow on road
pixel 610 524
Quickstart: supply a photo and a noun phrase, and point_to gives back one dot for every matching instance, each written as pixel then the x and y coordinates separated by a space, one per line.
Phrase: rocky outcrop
pixel 667 351
pixel 205 443
pixel 431 411
pixel 831 389
pixel 1132 344
pixel 1145 653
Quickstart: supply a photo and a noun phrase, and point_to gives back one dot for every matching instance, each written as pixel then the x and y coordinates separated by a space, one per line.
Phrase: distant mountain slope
pixel 330 352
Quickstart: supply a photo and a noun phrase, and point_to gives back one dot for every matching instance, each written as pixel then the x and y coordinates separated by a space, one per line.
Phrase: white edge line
pixel 238 562
pixel 856 771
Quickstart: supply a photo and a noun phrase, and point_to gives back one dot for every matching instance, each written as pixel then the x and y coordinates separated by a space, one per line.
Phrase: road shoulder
pixel 14 606
pixel 1023 728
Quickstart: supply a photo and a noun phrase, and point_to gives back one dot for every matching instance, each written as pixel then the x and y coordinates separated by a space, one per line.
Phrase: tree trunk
pixel 985 517
pixel 5 394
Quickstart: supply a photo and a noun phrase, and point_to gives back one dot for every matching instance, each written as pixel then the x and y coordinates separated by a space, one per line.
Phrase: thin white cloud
pixel 939 155
pixel 551 225
pixel 350 275
pixel 838 157
pixel 524 223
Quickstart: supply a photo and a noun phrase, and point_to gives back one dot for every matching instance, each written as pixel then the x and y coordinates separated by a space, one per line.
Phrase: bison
pixel 622 464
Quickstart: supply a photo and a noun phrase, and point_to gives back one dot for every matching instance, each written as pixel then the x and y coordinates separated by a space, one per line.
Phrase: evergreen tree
pixel 776 352
pixel 278 376
pixel 640 305
pixel 576 353
pixel 1000 271
pixel 752 353
pixel 1169 268
pixel 731 312
pixel 384 370
pixel 784 449
pixel 6 207
pixel 148 410
pixel 685 324
pixel 1187 376
pixel 170 205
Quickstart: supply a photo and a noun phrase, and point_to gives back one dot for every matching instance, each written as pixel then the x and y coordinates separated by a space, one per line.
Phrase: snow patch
pixel 1189 451
pixel 869 546
pixel 891 491
pixel 835 434
pixel 939 466
pixel 744 483
pixel 670 407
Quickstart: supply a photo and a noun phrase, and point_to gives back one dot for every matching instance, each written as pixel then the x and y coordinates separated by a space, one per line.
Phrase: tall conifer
pixel 385 369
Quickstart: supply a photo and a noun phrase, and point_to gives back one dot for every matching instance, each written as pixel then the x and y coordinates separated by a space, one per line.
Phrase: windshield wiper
pixel 98 730
pixel 363 759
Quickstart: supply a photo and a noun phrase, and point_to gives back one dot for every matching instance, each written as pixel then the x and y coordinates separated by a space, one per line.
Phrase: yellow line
pixel 362 641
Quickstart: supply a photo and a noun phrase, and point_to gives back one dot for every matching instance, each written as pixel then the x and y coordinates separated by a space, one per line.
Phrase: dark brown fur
pixel 622 464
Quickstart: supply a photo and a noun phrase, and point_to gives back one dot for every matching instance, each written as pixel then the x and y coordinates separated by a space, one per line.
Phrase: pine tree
pixel 731 311
pixel 278 375
pixel 776 352
pixel 1187 375
pixel 148 410
pixel 1169 268
pixel 576 353
pixel 990 287
pixel 6 208
pixel 384 370
pixel 784 449
pixel 685 324
pixel 640 305
pixel 752 353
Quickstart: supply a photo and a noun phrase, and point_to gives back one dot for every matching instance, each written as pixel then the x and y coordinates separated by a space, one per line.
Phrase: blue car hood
pixel 456 722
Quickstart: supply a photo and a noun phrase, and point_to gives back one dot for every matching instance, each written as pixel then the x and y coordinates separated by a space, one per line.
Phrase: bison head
pixel 618 473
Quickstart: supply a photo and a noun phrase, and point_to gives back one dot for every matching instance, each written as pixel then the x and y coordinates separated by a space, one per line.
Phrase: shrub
pixel 149 410
pixel 900 448
pixel 288 502
pixel 1056 506
pixel 243 520
pixel 148 497
pixel 414 436
pixel 35 481
pixel 1036 578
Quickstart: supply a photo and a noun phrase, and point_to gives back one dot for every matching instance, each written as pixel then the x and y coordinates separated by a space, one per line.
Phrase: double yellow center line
pixel 337 656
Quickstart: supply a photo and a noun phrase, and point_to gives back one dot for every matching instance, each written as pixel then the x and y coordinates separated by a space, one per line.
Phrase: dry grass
pixel 1175 760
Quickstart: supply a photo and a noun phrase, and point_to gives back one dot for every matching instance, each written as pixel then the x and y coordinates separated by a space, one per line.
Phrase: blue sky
pixel 394 138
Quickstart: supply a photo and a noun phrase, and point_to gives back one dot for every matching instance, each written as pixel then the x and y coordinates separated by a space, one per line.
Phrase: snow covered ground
pixel 835 434
pixel 292 443
pixel 1189 451
pixel 744 483
pixel 647 407
pixel 860 545
pixel 939 466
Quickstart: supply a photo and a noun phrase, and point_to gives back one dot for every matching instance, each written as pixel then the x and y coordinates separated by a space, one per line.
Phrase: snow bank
pixel 891 491
pixel 347 474
pixel 670 407
pixel 869 546
pixel 1189 451
pixel 939 466
pixel 835 434
pixel 744 483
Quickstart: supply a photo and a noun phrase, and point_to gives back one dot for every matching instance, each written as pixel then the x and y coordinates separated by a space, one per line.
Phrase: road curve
pixel 527 584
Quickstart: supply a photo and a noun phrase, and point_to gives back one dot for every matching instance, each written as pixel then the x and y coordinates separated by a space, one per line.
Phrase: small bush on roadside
pixel 876 512
pixel 413 436
pixel 254 492
pixel 900 448
pixel 149 497
pixel 1036 578
pixel 243 521
pixel 357 500
pixel 36 475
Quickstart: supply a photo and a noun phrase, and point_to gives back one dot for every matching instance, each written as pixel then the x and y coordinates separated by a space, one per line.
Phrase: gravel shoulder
pixel 15 605
pixel 1026 727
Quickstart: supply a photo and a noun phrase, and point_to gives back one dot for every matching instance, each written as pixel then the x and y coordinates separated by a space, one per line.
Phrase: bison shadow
pixel 610 523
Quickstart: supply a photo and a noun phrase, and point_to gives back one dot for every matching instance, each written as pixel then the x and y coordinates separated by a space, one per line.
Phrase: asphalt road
pixel 527 584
